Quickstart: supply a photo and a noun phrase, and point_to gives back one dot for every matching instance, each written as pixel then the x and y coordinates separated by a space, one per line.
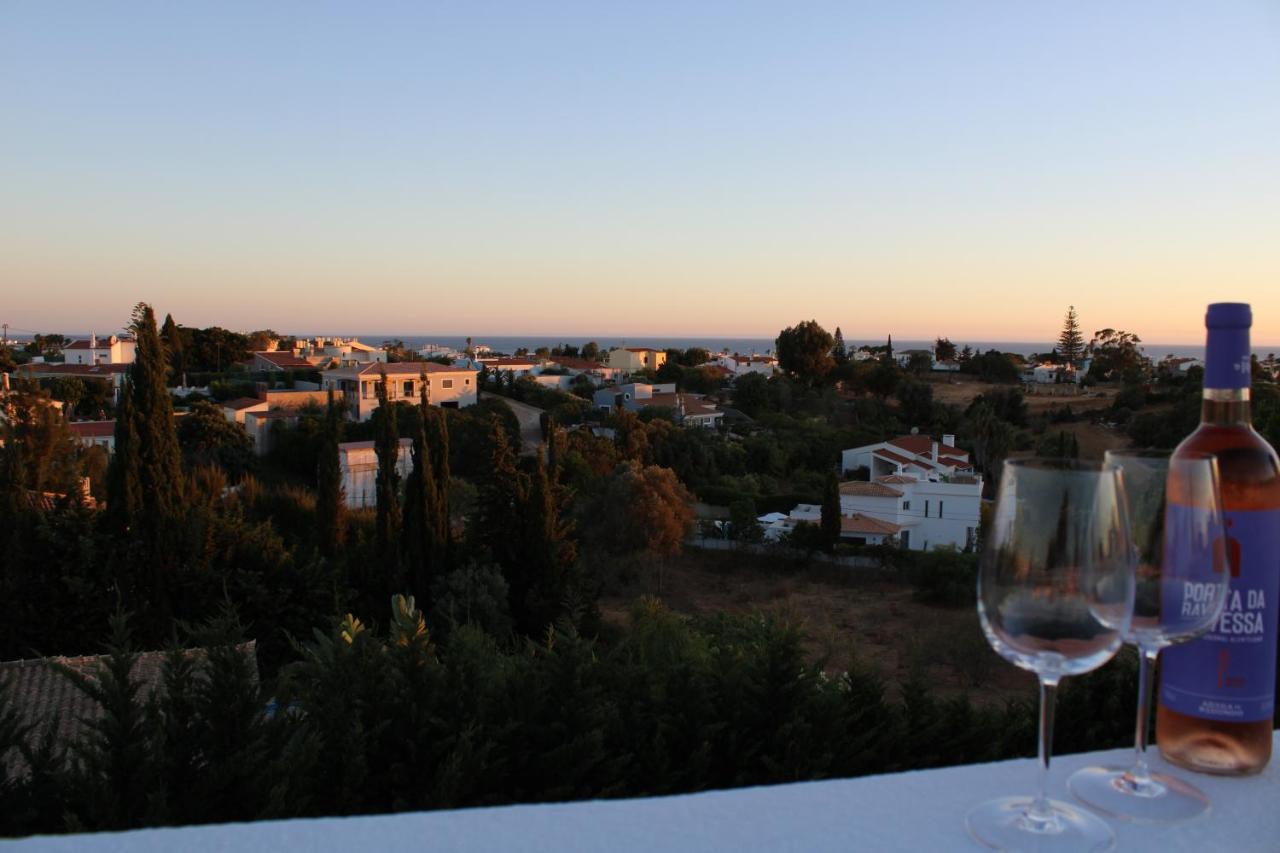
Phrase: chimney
pixel 93 340
pixel 949 440
pixel 933 452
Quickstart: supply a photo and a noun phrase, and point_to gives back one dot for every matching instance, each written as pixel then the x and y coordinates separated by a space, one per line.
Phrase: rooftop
pixel 859 523
pixel 92 429
pixel 244 403
pixel 861 488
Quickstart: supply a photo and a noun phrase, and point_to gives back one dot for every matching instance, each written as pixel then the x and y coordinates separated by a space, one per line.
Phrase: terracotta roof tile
pixel 92 429
pixel 244 403
pixel 859 523
pixel 861 488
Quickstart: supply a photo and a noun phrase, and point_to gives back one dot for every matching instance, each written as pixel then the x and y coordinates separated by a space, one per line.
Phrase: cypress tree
pixel 124 490
pixel 386 438
pixel 331 506
pixel 420 537
pixel 171 336
pixel 831 510
pixel 438 438
pixel 548 553
pixel 498 521
pixel 839 352
pixel 1071 341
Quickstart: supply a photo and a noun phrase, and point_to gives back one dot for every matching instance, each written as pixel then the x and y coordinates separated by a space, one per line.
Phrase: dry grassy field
pixel 844 615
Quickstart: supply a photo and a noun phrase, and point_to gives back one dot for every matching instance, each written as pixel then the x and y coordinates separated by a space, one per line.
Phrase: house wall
pixel 448 390
pixel 360 472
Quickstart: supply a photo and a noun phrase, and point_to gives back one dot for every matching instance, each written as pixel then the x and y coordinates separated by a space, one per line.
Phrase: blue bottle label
pixel 1228 675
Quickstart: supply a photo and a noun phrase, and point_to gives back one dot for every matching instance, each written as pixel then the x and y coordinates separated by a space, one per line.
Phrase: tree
pixel 919 363
pixel 1115 354
pixel 426 505
pixel 171 336
pixel 386 438
pixel 831 509
pixel 1071 341
pixel 645 508
pixel 839 352
pixel 145 483
pixel 590 350
pixel 804 351
pixel 944 350
pixel 331 505
pixel 915 402
pixel 206 438
pixel 751 394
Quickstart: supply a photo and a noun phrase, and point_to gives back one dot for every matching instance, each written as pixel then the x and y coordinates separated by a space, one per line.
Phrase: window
pixel 906 539
pixel 446 383
pixel 468 381
pixel 940 509
pixel 906 504
pixel 926 509
pixel 408 388
pixel 364 390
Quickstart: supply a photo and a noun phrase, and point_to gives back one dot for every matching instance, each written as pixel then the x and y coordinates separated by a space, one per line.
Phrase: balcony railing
pixel 920 811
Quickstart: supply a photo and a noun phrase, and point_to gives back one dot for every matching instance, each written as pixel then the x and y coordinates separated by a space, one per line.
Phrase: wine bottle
pixel 1217 693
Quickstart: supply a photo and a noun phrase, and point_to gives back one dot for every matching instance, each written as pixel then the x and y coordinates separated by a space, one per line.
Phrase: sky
pixel 641 168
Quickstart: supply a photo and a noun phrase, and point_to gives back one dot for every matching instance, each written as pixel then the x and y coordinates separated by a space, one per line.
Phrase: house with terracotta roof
pixel 235 410
pixel 741 365
pixel 690 409
pixel 358 462
pixel 95 433
pixel 631 359
pixel 447 386
pixel 276 360
pixel 111 374
pixel 908 454
pixel 919 513
pixel 95 350
pixel 517 365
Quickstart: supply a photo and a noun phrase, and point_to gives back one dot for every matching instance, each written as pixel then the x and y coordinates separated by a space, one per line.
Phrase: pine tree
pixel 840 352
pixel 1071 341
pixel 831 510
pixel 549 554
pixel 386 438
pixel 330 500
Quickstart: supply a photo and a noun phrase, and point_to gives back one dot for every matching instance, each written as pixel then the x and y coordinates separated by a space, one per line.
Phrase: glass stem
pixel 1040 808
pixel 1141 773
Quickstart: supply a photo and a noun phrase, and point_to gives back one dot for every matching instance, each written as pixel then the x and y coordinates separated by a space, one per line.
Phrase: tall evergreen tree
pixel 1071 341
pixel 839 352
pixel 438 441
pixel 545 574
pixel 171 336
pixel 145 481
pixel 420 538
pixel 330 500
pixel 386 444
pixel 831 509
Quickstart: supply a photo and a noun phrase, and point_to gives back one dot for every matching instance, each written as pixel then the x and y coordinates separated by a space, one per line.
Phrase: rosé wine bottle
pixel 1217 693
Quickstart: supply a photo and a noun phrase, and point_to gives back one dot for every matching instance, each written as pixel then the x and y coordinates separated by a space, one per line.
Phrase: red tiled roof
pixel 859 523
pixel 74 369
pixel 897 479
pixel 411 368
pixel 507 362
pixel 243 403
pixel 576 363
pixel 952 462
pixel 92 429
pixel 922 444
pixel 41 694
pixel 284 360
pixel 861 488
pixel 642 349
pixel 895 457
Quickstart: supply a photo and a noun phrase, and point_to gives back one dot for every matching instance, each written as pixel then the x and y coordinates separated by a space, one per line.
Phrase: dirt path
pixel 530 425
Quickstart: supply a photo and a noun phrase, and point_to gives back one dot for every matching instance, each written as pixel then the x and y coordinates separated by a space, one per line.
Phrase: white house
pixel 904 356
pixel 95 434
pixel 112 374
pixel 920 513
pixel 359 464
pixel 95 350
pixel 908 454
pixel 448 386
pixel 518 366
pixel 741 365
pixel 690 409
pixel 235 410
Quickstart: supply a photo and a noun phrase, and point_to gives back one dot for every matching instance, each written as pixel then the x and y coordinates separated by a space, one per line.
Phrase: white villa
pixel 741 365
pixel 908 454
pixel 449 387
pixel 921 513
pixel 109 350
pixel 359 464
pixel 691 409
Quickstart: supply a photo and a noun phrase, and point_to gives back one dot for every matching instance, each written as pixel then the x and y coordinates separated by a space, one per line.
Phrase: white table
pixel 919 811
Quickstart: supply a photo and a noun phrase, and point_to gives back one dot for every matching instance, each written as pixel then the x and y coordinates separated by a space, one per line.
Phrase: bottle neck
pixel 1226 407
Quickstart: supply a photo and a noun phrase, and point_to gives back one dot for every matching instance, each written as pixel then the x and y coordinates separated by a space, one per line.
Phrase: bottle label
pixel 1228 675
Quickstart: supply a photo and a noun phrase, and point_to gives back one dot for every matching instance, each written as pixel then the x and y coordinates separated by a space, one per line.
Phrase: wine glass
pixel 1055 595
pixel 1175 513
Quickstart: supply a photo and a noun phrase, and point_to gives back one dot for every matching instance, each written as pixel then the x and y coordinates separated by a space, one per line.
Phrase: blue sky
pixel 642 168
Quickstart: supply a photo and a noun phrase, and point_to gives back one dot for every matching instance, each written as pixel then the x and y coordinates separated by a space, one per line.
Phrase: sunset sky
pixel 626 168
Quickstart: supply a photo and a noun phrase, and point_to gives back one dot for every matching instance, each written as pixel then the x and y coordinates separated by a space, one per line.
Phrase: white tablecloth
pixel 918 811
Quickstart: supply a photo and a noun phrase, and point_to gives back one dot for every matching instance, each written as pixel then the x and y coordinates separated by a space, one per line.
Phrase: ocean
pixel 746 346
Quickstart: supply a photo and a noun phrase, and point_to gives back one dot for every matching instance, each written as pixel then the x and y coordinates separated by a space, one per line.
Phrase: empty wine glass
pixel 1055 595
pixel 1175 513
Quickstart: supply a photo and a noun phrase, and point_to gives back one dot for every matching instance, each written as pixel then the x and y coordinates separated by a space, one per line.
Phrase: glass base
pixel 1157 799
pixel 1008 824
